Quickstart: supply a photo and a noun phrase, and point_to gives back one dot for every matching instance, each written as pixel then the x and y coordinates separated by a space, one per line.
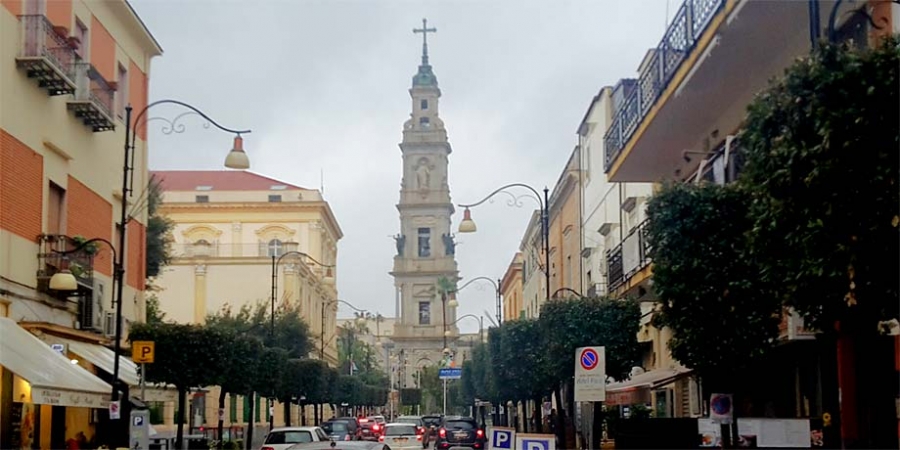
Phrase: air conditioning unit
pixel 109 325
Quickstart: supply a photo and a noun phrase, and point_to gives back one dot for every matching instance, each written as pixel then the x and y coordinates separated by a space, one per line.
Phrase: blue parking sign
pixel 502 438
pixel 535 442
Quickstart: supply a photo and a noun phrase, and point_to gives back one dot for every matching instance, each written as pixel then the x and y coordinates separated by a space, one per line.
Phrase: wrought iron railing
pixel 92 87
pixel 628 258
pixel 39 39
pixel 80 263
pixel 231 250
pixel 680 38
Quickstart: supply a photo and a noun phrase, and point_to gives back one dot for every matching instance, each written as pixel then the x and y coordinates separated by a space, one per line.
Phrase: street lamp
pixel 65 281
pixel 236 159
pixel 276 260
pixel 565 289
pixel 468 225
pixel 496 285
pixel 359 320
pixel 480 320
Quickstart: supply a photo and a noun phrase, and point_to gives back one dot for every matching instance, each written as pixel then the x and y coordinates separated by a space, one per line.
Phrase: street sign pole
pixel 445 396
pixel 143 378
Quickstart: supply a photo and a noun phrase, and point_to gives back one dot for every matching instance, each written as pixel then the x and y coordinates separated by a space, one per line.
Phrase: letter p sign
pixel 535 442
pixel 502 438
pixel 142 352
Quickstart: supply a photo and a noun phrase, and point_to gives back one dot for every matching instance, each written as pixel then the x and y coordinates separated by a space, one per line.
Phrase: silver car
pixel 401 436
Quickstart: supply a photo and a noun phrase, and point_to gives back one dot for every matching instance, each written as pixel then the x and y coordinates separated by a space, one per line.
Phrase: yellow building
pixel 565 231
pixel 511 289
pixel 67 70
pixel 228 226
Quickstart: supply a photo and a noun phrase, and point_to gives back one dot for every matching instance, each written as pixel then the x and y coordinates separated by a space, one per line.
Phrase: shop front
pixel 46 400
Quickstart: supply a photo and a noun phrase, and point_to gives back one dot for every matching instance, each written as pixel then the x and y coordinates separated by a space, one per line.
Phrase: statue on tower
pixel 401 243
pixel 449 244
pixel 423 176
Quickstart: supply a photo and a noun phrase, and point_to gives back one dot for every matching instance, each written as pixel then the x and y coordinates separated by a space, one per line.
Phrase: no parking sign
pixel 502 438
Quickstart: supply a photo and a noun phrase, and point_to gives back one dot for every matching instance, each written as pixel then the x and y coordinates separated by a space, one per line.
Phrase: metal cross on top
pixel 424 30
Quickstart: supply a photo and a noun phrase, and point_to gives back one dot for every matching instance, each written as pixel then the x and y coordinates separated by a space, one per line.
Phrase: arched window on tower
pixel 424 122
pixel 276 248
pixel 423 104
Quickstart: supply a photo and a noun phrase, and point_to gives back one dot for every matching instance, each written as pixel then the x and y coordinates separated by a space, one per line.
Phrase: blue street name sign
pixel 450 373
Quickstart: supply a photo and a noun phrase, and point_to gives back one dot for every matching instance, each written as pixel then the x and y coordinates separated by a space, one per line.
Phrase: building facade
pixel 533 280
pixel 228 229
pixel 511 289
pixel 681 121
pixel 425 244
pixel 565 230
pixel 67 70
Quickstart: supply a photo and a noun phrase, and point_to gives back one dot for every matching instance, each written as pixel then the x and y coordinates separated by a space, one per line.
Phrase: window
pixel 424 242
pixel 424 313
pixel 201 199
pixel 423 104
pixel 274 198
pixel 122 92
pixel 232 406
pixel 400 430
pixel 275 248
pixel 256 413
pixel 424 122
pixel 81 33
pixel 246 409
pixel 56 209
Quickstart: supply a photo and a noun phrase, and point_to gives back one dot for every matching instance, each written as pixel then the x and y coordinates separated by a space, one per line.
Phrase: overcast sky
pixel 323 85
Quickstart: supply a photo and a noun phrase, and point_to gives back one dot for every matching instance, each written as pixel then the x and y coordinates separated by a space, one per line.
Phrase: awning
pixel 104 359
pixel 54 380
pixel 636 389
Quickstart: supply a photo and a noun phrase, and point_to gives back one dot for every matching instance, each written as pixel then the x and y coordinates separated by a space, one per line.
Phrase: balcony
pixel 93 102
pixel 80 263
pixel 694 87
pixel 45 54
pixel 628 258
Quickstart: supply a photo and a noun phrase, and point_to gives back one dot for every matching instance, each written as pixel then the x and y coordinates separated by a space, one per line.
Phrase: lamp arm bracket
pixel 514 202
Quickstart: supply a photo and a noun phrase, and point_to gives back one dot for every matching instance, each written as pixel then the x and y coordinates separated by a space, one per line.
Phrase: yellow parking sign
pixel 142 352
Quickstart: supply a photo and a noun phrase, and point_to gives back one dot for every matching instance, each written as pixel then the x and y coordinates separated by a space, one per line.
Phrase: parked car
pixel 284 437
pixel 401 436
pixel 458 431
pixel 347 445
pixel 338 430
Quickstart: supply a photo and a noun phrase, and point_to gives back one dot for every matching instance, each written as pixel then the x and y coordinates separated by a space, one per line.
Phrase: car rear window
pixel 400 430
pixel 334 427
pixel 432 421
pixel 410 421
pixel 460 425
pixel 289 437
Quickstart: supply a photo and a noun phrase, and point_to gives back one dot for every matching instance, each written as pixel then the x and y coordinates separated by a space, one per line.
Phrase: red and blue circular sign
pixel 589 359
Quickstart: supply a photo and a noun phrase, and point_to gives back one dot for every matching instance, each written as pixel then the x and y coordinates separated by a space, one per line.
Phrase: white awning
pixel 104 358
pixel 651 379
pixel 53 378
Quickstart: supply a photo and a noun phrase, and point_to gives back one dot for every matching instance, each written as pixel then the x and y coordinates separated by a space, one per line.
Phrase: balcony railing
pixel 93 102
pixel 628 258
pixel 80 263
pixel 45 54
pixel 228 250
pixel 681 36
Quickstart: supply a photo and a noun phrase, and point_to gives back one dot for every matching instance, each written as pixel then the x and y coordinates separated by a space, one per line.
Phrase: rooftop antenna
pixel 322 181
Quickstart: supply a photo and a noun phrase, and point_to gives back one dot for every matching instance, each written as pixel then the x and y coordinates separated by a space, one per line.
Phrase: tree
pixel 722 319
pixel 154 313
pixel 185 356
pixel 582 322
pixel 158 228
pixel 291 332
pixel 822 168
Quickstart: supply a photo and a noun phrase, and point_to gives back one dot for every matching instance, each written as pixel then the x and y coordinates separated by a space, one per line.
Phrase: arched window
pixel 202 242
pixel 276 248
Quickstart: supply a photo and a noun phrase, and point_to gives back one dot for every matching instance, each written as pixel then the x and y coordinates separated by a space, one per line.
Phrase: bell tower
pixel 425 244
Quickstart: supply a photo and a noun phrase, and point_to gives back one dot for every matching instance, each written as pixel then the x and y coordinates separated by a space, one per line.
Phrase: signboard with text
pixel 450 373
pixel 590 374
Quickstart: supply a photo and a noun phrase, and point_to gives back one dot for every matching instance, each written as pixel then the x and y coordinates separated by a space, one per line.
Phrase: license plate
pixel 400 439
pixel 460 434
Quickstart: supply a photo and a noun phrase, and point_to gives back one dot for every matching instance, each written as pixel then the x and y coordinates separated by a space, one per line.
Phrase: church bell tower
pixel 425 243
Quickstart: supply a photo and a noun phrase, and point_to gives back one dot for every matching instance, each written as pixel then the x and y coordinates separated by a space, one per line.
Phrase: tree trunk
pixel 287 413
pixel 221 422
pixel 560 418
pixel 251 422
pixel 596 424
pixel 179 433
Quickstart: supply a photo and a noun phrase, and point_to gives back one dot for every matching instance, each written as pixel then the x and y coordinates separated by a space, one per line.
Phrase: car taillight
pixel 419 437
pixel 346 437
pixel 421 430
pixel 380 438
pixel 479 433
pixel 267 448
pixel 443 432
pixel 375 427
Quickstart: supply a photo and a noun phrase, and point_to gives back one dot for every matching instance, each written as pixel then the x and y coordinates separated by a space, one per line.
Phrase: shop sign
pixel 45 396
pixel 629 397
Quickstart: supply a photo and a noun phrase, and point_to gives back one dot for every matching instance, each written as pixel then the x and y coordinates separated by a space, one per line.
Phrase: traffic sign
pixel 721 408
pixel 142 352
pixel 450 373
pixel 59 348
pixel 535 442
pixel 590 374
pixel 502 438
pixel 114 412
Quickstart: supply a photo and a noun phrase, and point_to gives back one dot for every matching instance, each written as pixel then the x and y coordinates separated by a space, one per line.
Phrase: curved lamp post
pixel 236 159
pixel 468 225
pixel 569 290
pixel 496 285
pixel 276 260
pixel 480 320
pixel 65 281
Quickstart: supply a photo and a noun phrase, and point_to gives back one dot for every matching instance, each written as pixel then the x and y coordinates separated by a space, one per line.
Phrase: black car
pixel 458 431
pixel 338 430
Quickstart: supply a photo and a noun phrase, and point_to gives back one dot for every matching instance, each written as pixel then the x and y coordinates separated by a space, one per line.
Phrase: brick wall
pixel 21 188
pixel 135 267
pixel 90 216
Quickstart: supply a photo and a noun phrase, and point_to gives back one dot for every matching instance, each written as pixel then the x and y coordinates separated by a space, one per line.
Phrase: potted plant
pixel 90 249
